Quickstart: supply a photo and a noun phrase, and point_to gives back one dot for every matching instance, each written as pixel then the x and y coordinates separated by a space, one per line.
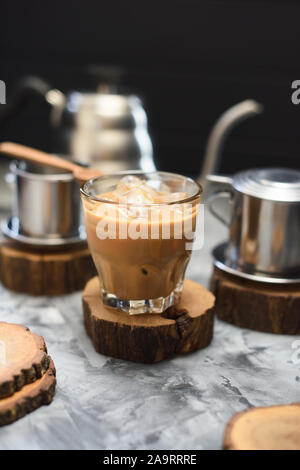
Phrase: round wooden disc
pixel 23 357
pixel 45 273
pixel 269 428
pixel 150 338
pixel 271 308
pixel 29 398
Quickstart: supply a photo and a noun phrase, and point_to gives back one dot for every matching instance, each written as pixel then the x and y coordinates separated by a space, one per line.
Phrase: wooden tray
pixel 268 428
pixel 29 398
pixel 23 358
pixel 150 338
pixel 27 373
pixel 38 272
pixel 271 308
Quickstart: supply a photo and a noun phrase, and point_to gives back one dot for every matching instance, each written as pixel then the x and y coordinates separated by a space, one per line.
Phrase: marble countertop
pixel 182 403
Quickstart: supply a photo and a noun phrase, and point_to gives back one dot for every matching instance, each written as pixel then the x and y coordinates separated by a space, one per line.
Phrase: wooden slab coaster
pixel 29 398
pixel 23 358
pixel 150 338
pixel 45 273
pixel 269 428
pixel 272 308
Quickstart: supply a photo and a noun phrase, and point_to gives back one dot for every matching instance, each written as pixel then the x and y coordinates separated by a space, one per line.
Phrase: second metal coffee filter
pixel 46 201
pixel 265 220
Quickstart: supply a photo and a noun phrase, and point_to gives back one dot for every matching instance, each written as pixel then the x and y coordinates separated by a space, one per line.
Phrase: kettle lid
pixel 275 184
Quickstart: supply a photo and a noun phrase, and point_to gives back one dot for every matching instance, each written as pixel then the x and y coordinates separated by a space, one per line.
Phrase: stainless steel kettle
pixel 104 129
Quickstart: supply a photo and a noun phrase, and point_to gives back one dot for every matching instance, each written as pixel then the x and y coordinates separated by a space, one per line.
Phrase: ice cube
pixel 137 196
pixel 111 196
pixel 128 182
pixel 171 197
pixel 151 192
pixel 131 182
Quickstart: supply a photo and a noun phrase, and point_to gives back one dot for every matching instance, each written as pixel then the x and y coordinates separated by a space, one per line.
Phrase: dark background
pixel 189 59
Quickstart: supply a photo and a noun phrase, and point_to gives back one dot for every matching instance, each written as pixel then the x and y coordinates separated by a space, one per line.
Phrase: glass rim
pixel 141 172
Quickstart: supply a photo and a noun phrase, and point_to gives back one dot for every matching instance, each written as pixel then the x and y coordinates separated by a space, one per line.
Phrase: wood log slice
pixel 269 428
pixel 23 358
pixel 45 273
pixel 272 308
pixel 29 398
pixel 150 338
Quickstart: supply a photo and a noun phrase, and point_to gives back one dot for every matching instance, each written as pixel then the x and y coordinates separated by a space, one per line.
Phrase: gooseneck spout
pixel 220 131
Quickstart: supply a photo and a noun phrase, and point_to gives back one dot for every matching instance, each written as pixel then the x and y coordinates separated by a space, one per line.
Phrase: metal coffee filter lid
pixel 274 184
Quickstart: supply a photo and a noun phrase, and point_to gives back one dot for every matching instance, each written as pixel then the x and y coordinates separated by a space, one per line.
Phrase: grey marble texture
pixel 182 403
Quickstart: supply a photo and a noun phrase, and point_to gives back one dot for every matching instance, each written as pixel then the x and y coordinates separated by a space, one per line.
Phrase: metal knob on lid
pixel 274 184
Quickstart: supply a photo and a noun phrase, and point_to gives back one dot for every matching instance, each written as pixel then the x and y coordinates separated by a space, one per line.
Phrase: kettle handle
pixel 210 203
pixel 226 122
pixel 226 192
pixel 27 88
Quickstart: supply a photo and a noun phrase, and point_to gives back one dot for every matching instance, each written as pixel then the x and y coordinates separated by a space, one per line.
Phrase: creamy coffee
pixel 139 234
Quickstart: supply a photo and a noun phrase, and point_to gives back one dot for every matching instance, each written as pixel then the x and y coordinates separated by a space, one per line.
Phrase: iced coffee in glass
pixel 140 230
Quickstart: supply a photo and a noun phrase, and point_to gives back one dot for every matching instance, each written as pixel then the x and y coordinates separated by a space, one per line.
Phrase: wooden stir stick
pixel 22 152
